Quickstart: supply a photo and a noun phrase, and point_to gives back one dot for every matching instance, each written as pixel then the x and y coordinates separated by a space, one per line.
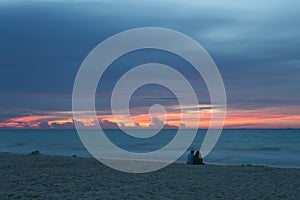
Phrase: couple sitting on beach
pixel 194 159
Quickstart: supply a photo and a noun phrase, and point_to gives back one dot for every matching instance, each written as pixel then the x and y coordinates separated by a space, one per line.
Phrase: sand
pixel 58 177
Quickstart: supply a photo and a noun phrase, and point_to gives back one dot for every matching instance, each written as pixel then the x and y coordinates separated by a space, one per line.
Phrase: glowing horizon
pixel 236 118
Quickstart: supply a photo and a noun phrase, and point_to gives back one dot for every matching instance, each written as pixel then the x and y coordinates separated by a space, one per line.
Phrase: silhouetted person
pixel 197 159
pixel 190 157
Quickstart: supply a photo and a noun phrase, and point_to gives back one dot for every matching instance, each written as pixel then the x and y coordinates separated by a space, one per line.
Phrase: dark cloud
pixel 67 125
pixel 106 124
pixel 158 124
pixel 255 45
pixel 44 125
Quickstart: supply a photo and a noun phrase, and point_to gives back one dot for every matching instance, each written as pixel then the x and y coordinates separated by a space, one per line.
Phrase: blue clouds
pixel 255 45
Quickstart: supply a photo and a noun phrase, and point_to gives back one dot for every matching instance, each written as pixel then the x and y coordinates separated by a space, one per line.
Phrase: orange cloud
pixel 236 118
pixel 263 118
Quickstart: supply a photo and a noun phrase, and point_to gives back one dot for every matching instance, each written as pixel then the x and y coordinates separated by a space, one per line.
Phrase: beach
pixel 62 177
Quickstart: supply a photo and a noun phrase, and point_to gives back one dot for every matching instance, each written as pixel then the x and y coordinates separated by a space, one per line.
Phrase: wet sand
pixel 58 177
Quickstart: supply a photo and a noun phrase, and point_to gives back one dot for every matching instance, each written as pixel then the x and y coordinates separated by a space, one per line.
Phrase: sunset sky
pixel 255 45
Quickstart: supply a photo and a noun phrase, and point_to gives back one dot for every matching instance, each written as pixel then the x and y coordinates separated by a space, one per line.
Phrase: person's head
pixel 192 151
pixel 197 153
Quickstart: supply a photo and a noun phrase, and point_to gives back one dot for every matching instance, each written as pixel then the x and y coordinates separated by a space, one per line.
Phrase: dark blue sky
pixel 42 44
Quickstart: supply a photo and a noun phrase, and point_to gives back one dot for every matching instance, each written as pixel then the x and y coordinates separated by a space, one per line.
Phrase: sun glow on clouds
pixel 32 121
pixel 263 118
pixel 272 117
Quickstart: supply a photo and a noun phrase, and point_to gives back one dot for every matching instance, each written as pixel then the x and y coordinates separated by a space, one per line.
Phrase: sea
pixel 265 147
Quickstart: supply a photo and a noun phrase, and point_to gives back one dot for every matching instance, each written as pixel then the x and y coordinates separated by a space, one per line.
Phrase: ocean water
pixel 280 147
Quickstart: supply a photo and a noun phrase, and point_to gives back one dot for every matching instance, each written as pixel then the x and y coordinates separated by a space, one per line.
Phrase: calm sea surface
pixel 257 147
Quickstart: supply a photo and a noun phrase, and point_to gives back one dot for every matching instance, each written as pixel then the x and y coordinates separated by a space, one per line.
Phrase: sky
pixel 255 45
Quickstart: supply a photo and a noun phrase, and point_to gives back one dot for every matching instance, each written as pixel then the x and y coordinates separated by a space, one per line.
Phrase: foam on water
pixel 257 147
